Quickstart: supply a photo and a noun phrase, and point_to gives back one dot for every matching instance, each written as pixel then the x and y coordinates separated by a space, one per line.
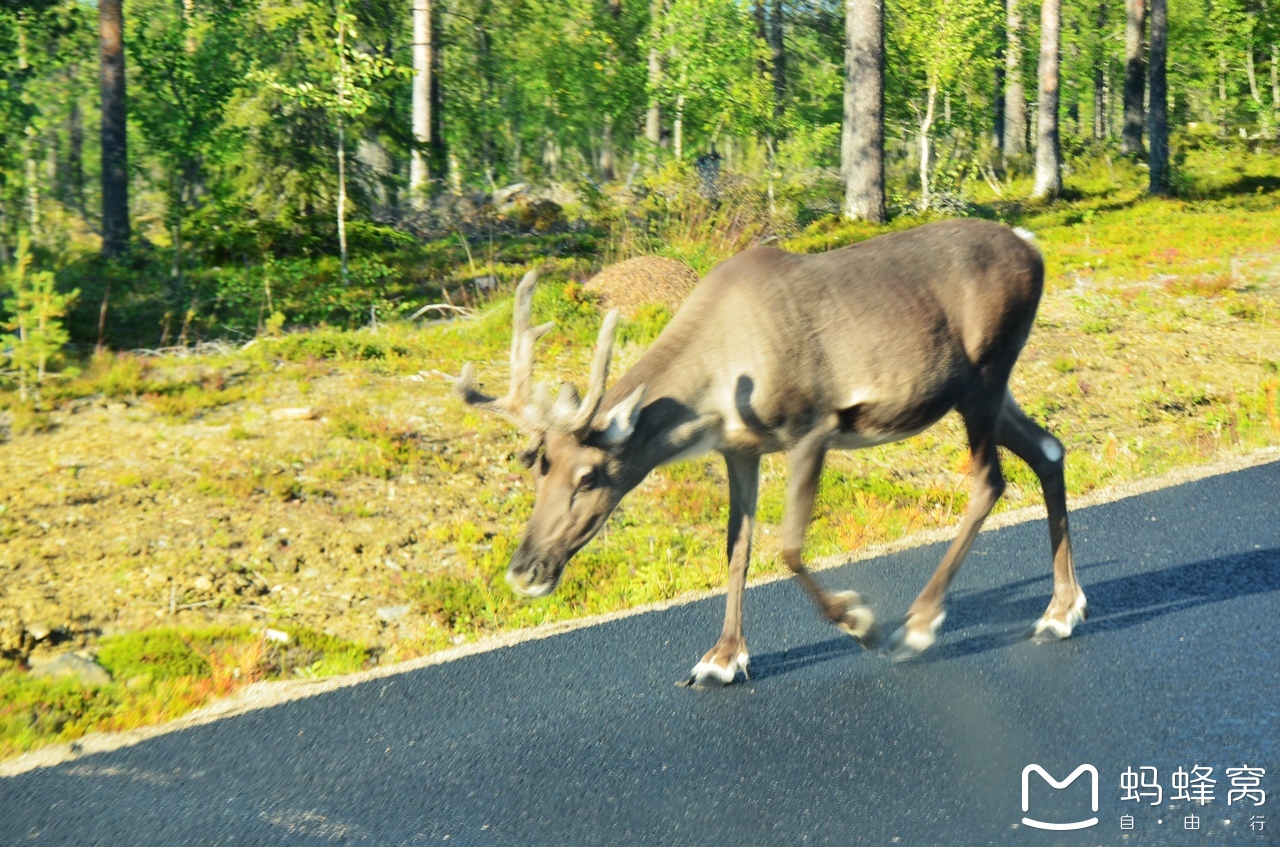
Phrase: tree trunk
pixel 777 44
pixel 419 163
pixel 342 199
pixel 862 133
pixel 75 145
pixel 761 17
pixel 1266 118
pixel 606 149
pixel 1157 113
pixel 926 126
pixel 188 14
pixel 30 171
pixel 484 55
pixel 1048 153
pixel 607 160
pixel 1275 77
pixel 342 145
pixel 438 160
pixel 1015 92
pixel 653 117
pixel 1222 92
pixel 997 125
pixel 1100 78
pixel 678 130
pixel 1073 82
pixel 1251 72
pixel 1135 73
pixel 115 157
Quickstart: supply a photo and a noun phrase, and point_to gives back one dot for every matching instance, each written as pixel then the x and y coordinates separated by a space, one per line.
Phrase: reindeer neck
pixel 672 423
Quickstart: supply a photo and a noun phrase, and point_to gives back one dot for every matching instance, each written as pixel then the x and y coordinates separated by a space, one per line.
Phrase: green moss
pixel 160 674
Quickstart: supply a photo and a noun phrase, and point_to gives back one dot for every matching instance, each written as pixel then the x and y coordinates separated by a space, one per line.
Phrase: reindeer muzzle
pixel 532 580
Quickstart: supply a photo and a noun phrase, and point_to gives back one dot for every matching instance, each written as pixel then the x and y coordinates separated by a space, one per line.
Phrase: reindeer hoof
pixel 1058 623
pixel 714 674
pixel 913 638
pixel 857 620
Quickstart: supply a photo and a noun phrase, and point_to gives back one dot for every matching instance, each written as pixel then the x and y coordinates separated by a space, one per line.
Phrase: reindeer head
pixel 578 471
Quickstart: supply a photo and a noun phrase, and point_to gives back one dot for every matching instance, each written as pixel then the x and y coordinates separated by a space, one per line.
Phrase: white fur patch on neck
pixel 701 447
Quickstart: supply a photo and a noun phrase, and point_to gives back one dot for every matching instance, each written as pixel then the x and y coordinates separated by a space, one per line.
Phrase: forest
pixel 192 169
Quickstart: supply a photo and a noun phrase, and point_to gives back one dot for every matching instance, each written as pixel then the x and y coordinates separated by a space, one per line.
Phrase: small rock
pixel 303 413
pixel 86 671
pixel 505 195
pixel 38 631
pixel 203 583
pixel 276 636
pixel 391 613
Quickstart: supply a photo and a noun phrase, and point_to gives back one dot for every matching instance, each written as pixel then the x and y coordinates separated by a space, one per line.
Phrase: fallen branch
pixel 197 605
pixel 989 176
pixel 440 307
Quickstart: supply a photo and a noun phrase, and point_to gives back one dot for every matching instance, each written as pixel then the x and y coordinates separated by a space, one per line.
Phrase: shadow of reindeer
pixel 1000 616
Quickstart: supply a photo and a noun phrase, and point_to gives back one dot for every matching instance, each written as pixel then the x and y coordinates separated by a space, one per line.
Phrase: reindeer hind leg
pixel 1035 446
pixel 926 614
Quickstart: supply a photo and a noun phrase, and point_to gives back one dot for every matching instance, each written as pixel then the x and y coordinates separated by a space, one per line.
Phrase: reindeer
pixel 800 354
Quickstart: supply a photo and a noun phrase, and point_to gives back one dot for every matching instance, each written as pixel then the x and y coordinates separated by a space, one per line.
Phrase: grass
pixel 159 675
pixel 1154 348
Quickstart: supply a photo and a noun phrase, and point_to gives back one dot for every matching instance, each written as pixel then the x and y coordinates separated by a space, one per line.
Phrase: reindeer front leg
pixel 720 664
pixel 844 608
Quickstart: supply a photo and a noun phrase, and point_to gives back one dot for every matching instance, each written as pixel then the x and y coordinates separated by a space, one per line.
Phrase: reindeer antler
pixel 529 408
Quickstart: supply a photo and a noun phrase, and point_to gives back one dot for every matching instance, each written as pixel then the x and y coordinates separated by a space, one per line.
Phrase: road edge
pixel 265 695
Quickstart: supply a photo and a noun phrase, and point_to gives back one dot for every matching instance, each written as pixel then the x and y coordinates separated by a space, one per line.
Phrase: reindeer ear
pixel 620 421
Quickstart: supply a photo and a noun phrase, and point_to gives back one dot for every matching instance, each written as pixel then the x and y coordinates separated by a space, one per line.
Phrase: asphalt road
pixel 582 739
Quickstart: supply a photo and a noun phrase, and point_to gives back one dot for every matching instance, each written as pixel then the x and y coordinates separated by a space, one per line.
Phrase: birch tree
pixel 941 48
pixel 1048 182
pixel 423 48
pixel 348 92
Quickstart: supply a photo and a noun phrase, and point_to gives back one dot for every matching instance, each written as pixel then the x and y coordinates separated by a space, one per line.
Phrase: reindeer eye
pixel 584 478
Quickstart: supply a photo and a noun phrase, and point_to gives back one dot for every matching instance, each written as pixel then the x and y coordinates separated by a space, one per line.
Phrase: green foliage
pixel 35 311
pixel 345 76
pixel 35 711
pixel 377 447
pixel 190 64
pixel 159 653
pixel 643 328
pixel 711 78
pixel 160 674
